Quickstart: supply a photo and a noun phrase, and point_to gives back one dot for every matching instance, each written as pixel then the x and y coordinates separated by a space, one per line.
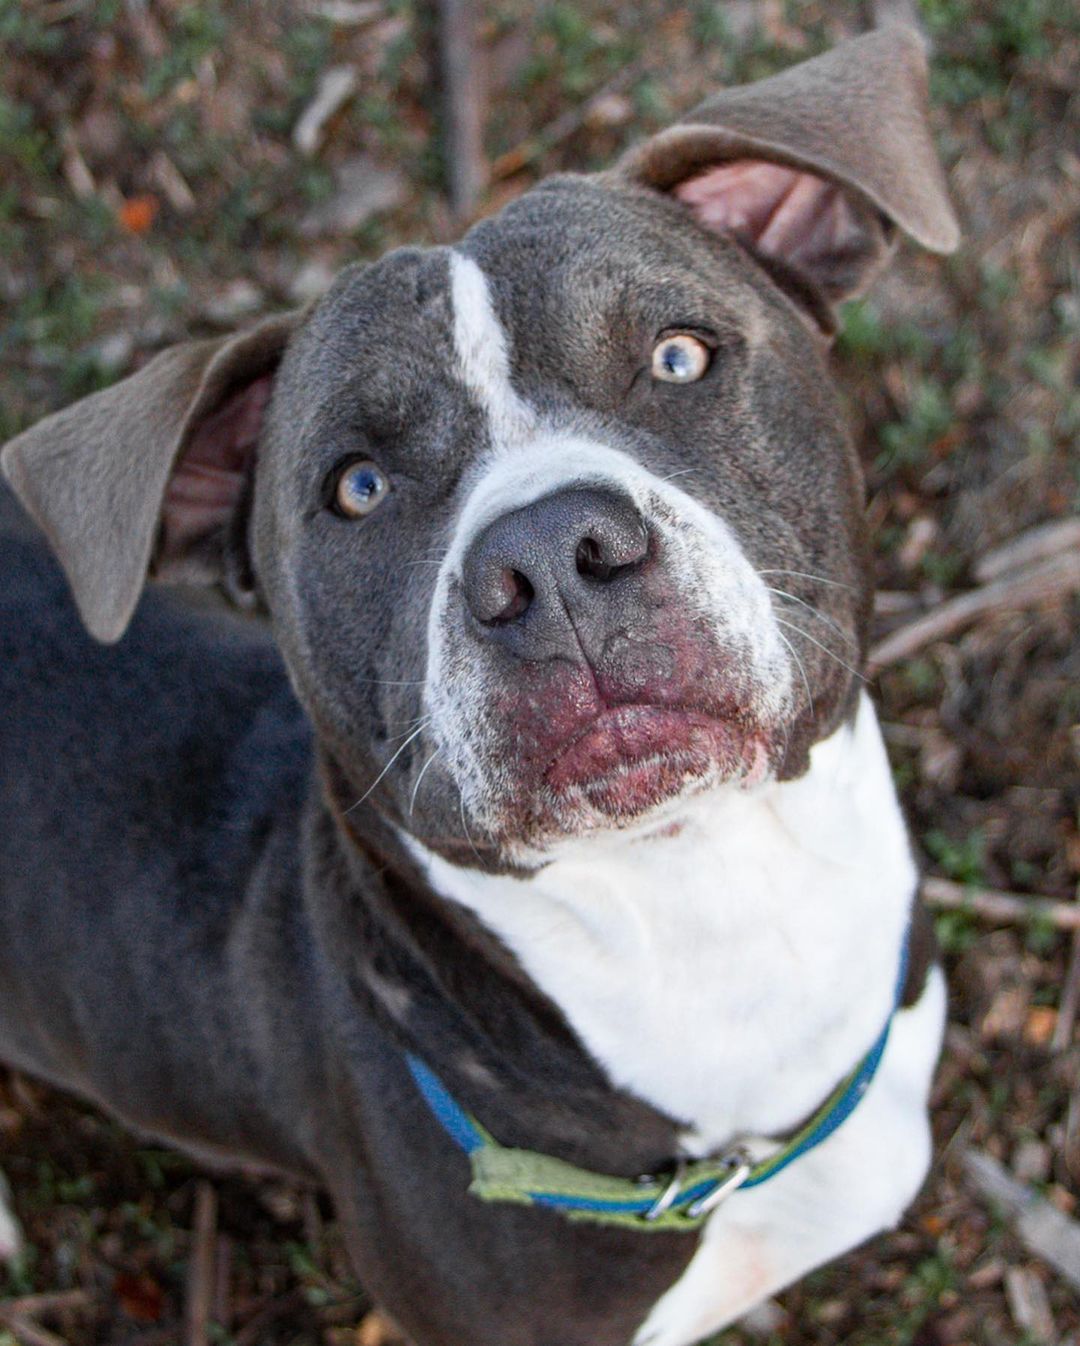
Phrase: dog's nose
pixel 540 564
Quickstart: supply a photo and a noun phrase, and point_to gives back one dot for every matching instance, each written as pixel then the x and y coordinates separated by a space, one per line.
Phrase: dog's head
pixel 561 525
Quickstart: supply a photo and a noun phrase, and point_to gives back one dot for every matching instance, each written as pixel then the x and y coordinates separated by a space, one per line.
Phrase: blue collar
pixel 680 1200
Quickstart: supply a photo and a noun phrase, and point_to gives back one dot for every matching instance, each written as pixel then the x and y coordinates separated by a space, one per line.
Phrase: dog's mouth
pixel 633 757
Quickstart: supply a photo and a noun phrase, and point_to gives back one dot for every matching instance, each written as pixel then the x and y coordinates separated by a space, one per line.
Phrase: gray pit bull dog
pixel 542 838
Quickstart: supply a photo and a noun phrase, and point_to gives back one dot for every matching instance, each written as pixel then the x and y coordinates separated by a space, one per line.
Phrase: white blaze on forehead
pixel 483 353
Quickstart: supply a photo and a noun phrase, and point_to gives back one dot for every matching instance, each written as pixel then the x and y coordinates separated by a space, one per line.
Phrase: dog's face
pixel 613 493
pixel 561 525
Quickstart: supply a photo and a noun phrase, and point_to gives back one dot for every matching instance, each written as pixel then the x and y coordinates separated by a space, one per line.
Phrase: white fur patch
pixel 482 352
pixel 731 974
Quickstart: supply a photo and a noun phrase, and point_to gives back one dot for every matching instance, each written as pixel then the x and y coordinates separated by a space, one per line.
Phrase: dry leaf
pixel 137 214
pixel 1040 1025
pixel 377 1330
pixel 140 1297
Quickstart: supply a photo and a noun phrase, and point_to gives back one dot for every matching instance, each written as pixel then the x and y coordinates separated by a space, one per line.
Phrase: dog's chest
pixel 731 971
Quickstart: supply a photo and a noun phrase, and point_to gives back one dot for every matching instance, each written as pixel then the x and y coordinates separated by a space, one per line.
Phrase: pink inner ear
pixel 209 479
pixel 783 212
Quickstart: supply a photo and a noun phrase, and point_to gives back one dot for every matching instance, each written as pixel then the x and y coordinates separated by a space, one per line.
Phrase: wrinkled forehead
pixel 554 292
pixel 578 250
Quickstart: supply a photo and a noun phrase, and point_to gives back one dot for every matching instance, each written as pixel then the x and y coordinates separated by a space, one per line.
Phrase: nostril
pixel 519 595
pixel 607 557
pixel 589 560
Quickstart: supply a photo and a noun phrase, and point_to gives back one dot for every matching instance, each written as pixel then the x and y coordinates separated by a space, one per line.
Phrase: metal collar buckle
pixel 668 1195
pixel 741 1168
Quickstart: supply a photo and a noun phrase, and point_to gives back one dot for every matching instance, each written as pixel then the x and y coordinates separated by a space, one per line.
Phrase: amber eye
pixel 361 488
pixel 680 358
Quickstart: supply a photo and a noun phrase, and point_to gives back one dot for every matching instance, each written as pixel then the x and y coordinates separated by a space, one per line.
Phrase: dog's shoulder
pixel 191 693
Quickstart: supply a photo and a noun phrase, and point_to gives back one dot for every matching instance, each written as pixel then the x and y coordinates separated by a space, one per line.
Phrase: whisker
pixel 415 733
pixel 465 827
pixel 418 720
pixel 824 648
pixel 391 682
pixel 683 472
pixel 802 670
pixel 821 616
pixel 423 772
pixel 805 574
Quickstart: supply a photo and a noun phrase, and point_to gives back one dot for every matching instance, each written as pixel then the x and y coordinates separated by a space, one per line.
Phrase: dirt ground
pixel 152 187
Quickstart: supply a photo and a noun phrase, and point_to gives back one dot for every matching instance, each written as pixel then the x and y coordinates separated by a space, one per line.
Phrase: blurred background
pixel 170 169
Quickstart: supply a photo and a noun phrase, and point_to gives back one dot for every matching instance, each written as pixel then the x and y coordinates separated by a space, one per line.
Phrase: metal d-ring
pixel 668 1195
pixel 741 1168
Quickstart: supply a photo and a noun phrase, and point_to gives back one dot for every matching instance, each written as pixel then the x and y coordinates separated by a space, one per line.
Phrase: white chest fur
pixel 731 973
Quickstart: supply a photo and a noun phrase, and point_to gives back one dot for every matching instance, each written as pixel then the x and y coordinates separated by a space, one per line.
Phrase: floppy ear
pixel 148 474
pixel 816 167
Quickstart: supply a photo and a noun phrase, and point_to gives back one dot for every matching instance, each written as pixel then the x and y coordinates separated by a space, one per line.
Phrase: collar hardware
pixel 667 1197
pixel 741 1168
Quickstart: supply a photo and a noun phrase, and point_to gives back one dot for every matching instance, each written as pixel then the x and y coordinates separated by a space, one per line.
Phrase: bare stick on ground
pixel 1041 583
pixel 27 1332
pixel 1070 1000
pixel 44 1305
pixel 201 1268
pixel 1035 544
pixel 993 905
pixel 18 1316
pixel 466 169
pixel 1042 1227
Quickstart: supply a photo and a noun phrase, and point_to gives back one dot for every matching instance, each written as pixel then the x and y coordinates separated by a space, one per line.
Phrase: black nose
pixel 541 566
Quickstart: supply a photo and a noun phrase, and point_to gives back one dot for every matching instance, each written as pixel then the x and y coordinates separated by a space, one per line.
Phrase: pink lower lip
pixel 634 755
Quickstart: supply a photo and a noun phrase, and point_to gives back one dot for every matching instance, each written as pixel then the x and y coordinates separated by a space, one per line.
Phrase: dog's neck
pixel 449 990
pixel 642 994
pixel 730 971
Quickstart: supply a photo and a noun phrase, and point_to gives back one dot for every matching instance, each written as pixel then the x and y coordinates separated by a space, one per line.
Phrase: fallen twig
pixel 1069 1003
pixel 1030 1305
pixel 993 905
pixel 18 1315
pixel 1049 580
pixel 41 1306
pixel 201 1267
pixel 25 1330
pixel 348 13
pixel 173 184
pixel 222 1305
pixel 466 169
pixel 895 602
pixel 59 11
pixel 1036 544
pixel 1042 1228
pixel 336 86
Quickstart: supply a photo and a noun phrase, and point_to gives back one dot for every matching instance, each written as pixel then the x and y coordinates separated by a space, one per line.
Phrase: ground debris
pixel 1030 1306
pixel 1041 1226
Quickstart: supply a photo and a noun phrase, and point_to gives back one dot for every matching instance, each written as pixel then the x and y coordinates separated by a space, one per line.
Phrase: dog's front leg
pixel 852 1186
